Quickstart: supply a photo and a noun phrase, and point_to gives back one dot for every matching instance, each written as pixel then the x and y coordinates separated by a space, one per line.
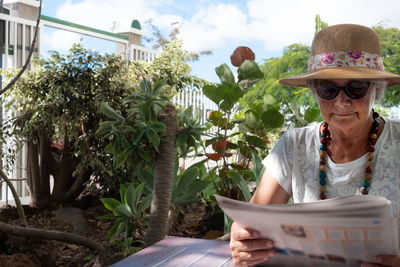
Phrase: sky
pixel 266 26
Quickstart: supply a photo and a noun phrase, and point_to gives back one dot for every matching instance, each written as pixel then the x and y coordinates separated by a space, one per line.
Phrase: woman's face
pixel 344 112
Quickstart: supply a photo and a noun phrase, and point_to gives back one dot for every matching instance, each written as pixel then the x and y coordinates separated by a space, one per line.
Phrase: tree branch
pixel 51 235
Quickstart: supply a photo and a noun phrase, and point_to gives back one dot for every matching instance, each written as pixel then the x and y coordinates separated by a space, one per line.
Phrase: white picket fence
pixel 19 34
pixel 196 99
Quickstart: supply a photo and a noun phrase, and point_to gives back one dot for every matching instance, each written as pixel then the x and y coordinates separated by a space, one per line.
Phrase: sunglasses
pixel 353 89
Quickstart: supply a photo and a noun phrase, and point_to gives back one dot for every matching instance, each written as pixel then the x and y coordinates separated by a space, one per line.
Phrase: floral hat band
pixel 345 59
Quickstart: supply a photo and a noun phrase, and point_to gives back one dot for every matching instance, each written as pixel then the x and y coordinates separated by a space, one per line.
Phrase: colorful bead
pixel 371 142
pixel 364 191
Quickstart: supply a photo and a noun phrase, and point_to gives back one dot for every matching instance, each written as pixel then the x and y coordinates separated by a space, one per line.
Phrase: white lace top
pixel 294 163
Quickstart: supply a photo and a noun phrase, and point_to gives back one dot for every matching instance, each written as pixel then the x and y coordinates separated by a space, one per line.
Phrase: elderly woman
pixel 354 151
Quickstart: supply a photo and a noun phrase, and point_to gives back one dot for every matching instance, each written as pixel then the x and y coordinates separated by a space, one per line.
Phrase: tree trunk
pixel 163 180
pixel 63 178
pixel 45 155
pixel 38 177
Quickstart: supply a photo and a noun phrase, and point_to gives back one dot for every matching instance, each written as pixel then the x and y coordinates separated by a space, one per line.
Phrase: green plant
pixel 54 111
pixel 186 185
pixel 190 132
pixel 128 213
pixel 239 136
pixel 136 136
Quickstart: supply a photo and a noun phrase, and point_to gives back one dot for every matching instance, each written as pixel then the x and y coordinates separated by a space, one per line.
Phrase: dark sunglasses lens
pixel 326 89
pixel 357 89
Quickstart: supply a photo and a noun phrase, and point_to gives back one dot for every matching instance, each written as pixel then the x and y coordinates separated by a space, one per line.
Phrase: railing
pixel 196 99
pixel 17 39
pixel 18 35
pixel 136 52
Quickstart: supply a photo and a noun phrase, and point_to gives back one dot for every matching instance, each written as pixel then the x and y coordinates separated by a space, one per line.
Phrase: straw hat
pixel 344 51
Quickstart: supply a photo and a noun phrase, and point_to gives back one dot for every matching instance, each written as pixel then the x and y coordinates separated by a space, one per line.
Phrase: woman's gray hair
pixel 377 83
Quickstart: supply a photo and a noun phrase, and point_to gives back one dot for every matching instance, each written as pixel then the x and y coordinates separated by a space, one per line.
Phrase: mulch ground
pixel 196 221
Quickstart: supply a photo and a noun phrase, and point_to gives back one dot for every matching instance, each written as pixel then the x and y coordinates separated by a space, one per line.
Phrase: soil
pixel 195 221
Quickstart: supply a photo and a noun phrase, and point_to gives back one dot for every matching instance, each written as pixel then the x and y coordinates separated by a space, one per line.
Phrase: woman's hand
pixel 384 260
pixel 247 248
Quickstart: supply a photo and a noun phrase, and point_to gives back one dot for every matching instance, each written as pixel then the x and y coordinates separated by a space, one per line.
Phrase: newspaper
pixel 335 232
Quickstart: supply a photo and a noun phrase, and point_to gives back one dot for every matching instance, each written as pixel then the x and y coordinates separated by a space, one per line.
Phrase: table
pixel 181 251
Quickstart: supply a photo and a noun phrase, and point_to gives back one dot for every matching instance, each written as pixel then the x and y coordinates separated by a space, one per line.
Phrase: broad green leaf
pixel 230 93
pixel 110 112
pixel 138 194
pixel 121 158
pixel 258 166
pixel 109 148
pixel 241 183
pixel 255 141
pixel 146 176
pixel 104 128
pixel 189 194
pixel 225 74
pixel 270 102
pixel 144 155
pixel 137 136
pixel 110 203
pixel 157 87
pixel 145 85
pixel 107 217
pixel 187 114
pixel 158 127
pixel 153 137
pixel 252 120
pixel 249 70
pixel 210 92
pixel 131 198
pixel 145 109
pixel 122 192
pixel 123 210
pixel 187 178
pixel 181 143
pixel 145 204
pixel 311 114
pixel 272 118
pixel 128 99
pixel 121 227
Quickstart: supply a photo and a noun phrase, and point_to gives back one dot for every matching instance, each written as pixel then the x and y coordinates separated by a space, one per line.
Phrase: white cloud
pixel 60 40
pixel 210 24
pixel 280 23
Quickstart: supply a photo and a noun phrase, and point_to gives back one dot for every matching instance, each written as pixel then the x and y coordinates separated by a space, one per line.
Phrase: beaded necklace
pixel 325 136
